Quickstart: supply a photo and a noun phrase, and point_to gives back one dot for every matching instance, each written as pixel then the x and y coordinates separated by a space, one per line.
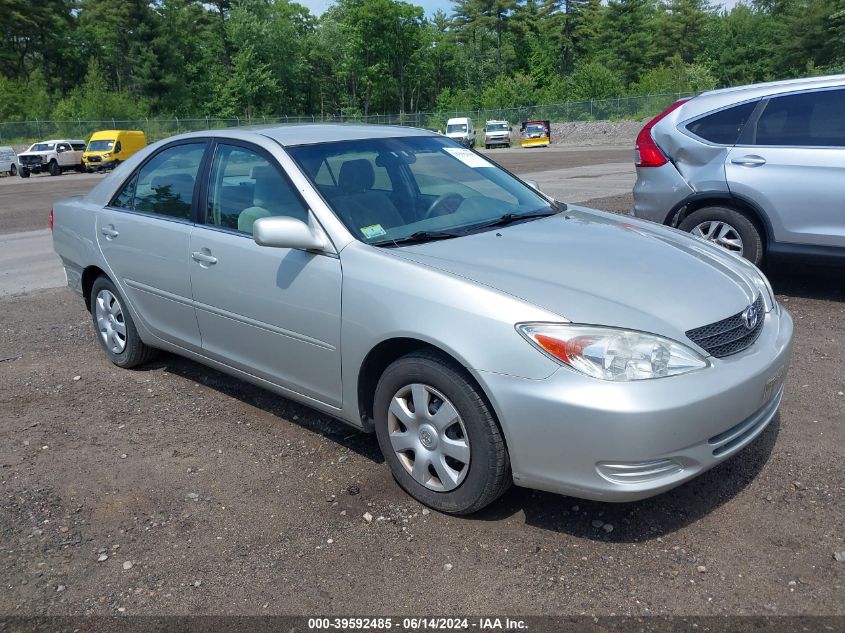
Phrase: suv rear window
pixel 723 127
pixel 811 119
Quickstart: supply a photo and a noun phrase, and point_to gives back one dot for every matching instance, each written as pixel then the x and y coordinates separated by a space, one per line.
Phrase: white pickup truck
pixel 54 157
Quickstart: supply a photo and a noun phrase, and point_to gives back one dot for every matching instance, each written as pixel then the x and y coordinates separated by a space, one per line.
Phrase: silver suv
pixel 759 170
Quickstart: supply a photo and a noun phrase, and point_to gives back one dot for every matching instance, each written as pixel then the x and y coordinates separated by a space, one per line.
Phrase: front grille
pixel 729 336
pixel 94 159
pixel 29 160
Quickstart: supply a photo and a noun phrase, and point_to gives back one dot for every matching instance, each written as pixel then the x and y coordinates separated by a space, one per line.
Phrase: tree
pixel 627 37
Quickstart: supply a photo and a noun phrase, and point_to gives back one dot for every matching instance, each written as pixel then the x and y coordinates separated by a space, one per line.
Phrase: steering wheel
pixel 438 207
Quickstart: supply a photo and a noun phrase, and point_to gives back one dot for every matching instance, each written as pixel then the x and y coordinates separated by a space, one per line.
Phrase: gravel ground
pixel 173 489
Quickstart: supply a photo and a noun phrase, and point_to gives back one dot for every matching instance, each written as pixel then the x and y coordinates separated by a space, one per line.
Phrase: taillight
pixel 51 219
pixel 648 154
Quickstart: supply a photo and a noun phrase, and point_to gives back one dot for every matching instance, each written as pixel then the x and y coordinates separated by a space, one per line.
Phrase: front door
pixel 272 312
pixel 144 235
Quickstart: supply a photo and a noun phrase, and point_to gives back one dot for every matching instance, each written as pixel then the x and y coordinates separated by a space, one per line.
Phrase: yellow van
pixel 108 148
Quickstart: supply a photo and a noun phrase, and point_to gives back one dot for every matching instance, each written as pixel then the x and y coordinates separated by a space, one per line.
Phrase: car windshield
pixel 497 127
pixel 535 128
pixel 456 127
pixel 42 147
pixel 417 187
pixel 100 146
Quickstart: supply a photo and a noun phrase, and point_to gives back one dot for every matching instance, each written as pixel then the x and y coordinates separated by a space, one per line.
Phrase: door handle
pixel 203 258
pixel 109 232
pixel 749 161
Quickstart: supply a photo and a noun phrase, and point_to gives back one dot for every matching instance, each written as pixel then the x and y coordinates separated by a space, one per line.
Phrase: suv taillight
pixel 51 220
pixel 648 154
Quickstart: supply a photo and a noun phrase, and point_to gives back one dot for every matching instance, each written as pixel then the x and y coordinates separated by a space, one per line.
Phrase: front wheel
pixel 24 172
pixel 439 434
pixel 728 229
pixel 13 170
pixel 115 328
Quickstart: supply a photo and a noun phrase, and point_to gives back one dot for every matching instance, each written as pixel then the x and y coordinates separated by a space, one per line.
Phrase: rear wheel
pixel 54 168
pixel 439 435
pixel 115 328
pixel 727 228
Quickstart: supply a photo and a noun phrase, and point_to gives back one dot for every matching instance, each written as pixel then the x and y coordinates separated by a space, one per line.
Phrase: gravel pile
pixel 596 132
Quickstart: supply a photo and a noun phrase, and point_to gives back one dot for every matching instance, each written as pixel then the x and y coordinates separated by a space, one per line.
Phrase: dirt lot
pixel 174 489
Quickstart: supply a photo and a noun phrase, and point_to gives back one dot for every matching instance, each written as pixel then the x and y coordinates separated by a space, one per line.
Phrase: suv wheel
pixel 115 328
pixel 727 228
pixel 54 169
pixel 439 435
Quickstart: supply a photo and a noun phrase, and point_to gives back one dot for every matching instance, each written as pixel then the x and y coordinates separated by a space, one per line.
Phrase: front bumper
pixel 607 441
pixel 97 165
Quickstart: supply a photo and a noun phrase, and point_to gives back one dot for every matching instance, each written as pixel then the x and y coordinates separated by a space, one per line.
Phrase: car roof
pixel 715 99
pixel 309 134
pixel 61 140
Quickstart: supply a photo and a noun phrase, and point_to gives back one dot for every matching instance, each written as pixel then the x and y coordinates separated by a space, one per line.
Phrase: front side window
pixel 811 119
pixel 385 190
pixel 725 126
pixel 165 185
pixel 246 186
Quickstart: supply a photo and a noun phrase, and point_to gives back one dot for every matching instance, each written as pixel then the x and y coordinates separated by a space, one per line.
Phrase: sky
pixel 318 6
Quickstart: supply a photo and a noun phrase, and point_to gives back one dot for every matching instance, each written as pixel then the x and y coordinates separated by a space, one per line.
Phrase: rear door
pixel 790 160
pixel 272 312
pixel 144 235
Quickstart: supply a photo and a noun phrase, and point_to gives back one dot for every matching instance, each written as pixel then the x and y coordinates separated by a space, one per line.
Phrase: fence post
pixel 177 124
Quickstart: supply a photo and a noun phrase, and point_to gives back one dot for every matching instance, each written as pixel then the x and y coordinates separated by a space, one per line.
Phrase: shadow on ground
pixel 808 282
pixel 363 444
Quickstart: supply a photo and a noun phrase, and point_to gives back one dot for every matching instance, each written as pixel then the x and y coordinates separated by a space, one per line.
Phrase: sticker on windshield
pixel 467 157
pixel 374 230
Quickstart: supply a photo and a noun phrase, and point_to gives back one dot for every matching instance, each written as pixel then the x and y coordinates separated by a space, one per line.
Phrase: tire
pixel 728 228
pixel 54 168
pixel 487 147
pixel 108 304
pixel 13 170
pixel 24 172
pixel 463 485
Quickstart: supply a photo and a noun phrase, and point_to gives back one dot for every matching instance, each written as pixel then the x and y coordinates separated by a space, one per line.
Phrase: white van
pixel 461 130
pixel 8 161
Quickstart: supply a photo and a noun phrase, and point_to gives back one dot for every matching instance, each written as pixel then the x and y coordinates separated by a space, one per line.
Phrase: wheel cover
pixel 720 233
pixel 428 436
pixel 110 321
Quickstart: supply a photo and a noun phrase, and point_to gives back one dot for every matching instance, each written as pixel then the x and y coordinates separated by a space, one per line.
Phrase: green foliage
pixel 103 59
pixel 92 100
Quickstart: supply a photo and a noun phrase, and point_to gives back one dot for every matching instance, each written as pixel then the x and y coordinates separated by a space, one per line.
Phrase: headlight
pixel 106 155
pixel 762 284
pixel 610 353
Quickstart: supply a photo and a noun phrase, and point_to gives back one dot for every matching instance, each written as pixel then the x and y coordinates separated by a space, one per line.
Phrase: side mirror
pixel 59 150
pixel 533 184
pixel 285 232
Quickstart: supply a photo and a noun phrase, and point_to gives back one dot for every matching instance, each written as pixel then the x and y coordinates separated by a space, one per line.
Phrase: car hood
pixel 598 268
pixel 46 151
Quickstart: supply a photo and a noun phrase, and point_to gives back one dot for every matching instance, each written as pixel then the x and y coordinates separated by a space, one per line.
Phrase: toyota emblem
pixel 749 317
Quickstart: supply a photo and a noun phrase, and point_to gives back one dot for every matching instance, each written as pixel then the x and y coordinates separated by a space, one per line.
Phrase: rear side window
pixel 78 147
pixel 810 119
pixel 723 127
pixel 165 185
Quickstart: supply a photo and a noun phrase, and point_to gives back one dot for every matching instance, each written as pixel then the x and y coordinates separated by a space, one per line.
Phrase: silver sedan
pixel 406 285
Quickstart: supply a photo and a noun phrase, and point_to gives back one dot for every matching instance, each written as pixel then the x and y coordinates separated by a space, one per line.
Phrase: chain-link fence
pixel 639 107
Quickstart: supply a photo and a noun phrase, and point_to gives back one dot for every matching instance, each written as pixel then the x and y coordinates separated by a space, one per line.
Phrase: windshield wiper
pixel 510 218
pixel 417 238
